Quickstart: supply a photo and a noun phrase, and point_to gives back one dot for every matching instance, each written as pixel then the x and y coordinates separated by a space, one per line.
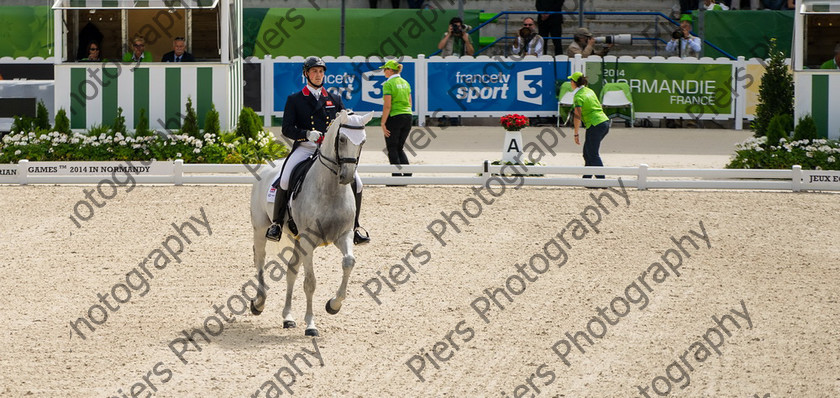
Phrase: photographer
pixel 683 42
pixel 584 44
pixel 528 42
pixel 456 41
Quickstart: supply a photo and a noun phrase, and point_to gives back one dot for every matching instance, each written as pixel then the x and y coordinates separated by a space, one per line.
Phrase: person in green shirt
pixel 139 53
pixel 833 63
pixel 396 113
pixel 588 109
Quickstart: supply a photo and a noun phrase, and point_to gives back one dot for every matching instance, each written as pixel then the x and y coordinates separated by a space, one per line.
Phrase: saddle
pixel 295 183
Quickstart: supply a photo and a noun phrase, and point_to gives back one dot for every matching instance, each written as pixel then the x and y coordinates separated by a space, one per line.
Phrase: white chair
pixel 566 100
pixel 617 95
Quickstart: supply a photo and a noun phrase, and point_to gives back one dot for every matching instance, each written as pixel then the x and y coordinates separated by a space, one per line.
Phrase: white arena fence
pixel 641 177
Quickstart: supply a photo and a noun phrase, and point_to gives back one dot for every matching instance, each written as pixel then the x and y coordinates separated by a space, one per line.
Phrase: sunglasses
pixel 94 49
pixel 527 24
pixel 139 45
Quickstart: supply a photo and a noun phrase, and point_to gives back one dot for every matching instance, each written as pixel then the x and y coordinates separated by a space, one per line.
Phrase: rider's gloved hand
pixel 313 135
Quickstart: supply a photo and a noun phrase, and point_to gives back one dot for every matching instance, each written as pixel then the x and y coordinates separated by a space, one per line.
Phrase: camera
pixel 617 39
pixel 678 34
pixel 456 29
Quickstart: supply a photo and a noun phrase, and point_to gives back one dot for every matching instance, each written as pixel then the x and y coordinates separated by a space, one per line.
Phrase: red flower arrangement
pixel 514 122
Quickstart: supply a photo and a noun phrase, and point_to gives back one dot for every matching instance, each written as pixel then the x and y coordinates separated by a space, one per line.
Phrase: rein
pixel 340 161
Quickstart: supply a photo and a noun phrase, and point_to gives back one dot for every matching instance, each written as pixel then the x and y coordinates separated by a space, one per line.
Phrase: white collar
pixel 314 91
pixel 393 76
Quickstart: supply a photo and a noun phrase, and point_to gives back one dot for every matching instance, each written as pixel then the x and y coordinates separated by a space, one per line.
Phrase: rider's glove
pixel 313 135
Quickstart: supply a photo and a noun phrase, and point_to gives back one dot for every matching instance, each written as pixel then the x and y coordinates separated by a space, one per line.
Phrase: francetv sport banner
pixel 493 87
pixel 358 83
pixel 662 89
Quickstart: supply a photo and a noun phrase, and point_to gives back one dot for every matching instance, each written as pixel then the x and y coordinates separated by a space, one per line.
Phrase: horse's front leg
pixel 345 244
pixel 291 277
pixel 309 289
pixel 258 304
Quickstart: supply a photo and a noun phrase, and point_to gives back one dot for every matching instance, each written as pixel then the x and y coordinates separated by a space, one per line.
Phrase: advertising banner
pixel 493 87
pixel 688 89
pixel 821 180
pixel 358 83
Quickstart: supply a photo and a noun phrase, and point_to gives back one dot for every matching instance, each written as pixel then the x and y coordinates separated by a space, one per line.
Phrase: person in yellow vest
pixel 396 113
pixel 588 110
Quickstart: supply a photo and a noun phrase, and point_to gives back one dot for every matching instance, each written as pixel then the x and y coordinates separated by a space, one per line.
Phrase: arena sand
pixel 751 310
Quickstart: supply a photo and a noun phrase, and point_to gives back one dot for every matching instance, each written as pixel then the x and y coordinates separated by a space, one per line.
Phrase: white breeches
pixel 303 151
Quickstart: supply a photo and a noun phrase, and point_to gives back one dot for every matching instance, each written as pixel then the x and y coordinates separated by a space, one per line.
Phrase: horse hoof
pixel 289 324
pixel 311 332
pixel 330 310
pixel 254 309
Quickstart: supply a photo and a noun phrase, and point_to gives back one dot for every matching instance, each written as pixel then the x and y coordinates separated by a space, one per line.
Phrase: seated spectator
pixel 584 44
pixel 528 42
pixel 833 63
pixel 712 5
pixel 139 54
pixel 178 53
pixel 683 42
pixel 94 53
pixel 456 41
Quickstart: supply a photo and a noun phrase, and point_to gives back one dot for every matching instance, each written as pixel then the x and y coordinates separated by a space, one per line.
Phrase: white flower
pixel 178 155
pixel 18 152
pixel 196 150
pixel 830 159
pixel 809 154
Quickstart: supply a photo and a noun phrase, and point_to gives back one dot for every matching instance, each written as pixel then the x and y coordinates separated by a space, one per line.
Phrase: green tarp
pixel 747 33
pixel 26 31
pixel 293 31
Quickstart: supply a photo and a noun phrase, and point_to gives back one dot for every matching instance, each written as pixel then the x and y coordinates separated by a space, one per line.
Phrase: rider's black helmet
pixel 313 62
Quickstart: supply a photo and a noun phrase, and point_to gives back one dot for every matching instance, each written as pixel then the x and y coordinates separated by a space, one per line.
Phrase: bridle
pixel 339 161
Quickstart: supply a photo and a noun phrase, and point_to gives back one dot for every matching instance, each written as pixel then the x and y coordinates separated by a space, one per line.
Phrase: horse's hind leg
pixel 291 277
pixel 309 288
pixel 344 244
pixel 258 304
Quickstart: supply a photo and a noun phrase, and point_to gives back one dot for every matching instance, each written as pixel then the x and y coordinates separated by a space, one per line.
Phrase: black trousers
pixel 592 145
pixel 399 126
pixel 552 27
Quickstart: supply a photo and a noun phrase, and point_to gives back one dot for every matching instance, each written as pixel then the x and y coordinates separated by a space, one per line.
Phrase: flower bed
pixel 818 154
pixel 102 145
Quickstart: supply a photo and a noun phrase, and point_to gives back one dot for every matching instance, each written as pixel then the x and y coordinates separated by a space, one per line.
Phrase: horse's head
pixel 343 142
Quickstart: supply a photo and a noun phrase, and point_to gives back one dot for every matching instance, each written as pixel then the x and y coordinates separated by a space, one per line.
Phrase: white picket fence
pixel 641 177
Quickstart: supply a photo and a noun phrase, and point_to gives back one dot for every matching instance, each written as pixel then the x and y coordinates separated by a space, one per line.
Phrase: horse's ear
pixel 366 118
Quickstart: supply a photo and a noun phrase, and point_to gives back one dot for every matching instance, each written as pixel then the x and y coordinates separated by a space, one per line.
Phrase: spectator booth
pixel 92 92
pixel 815 38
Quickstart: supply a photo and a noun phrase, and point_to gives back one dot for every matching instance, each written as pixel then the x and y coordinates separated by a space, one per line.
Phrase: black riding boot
pixel 275 231
pixel 358 238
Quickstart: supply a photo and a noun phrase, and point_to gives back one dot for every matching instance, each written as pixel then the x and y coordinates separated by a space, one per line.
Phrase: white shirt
pixel 316 92
pixel 689 47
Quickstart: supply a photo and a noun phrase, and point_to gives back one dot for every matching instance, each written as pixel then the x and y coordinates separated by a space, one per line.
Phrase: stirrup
pixel 274 232
pixel 358 238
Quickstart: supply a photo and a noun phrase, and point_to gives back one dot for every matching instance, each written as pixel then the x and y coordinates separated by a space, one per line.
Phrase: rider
pixel 307 114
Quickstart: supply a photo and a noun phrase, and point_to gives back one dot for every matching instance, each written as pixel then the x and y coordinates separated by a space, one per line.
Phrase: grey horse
pixel 323 211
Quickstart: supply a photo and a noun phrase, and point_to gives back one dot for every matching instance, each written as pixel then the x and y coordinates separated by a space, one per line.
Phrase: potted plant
pixel 512 149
